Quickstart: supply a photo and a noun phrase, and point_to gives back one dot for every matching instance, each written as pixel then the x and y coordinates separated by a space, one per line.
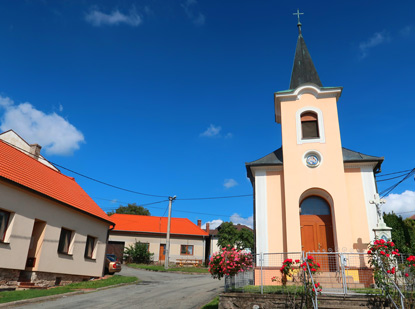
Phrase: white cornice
pixel 318 92
pixel 266 168
pixel 360 164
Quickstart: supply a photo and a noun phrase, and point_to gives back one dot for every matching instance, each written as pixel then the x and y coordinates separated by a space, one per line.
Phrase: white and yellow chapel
pixel 312 194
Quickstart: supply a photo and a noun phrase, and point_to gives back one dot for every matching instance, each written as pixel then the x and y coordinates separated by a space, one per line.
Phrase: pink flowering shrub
pixel 410 268
pixel 382 254
pixel 229 262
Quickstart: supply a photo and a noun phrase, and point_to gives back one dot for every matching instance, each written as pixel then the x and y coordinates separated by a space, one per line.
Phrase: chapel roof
pixel 23 170
pixel 304 70
pixel 152 224
pixel 276 158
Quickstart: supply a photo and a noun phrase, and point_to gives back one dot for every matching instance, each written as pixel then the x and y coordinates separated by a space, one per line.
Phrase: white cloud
pixel 196 17
pixel 213 224
pixel 377 39
pixel 229 183
pixel 98 18
pixel 212 131
pixel 237 219
pixel 54 133
pixel 215 131
pixel 407 30
pixel 402 204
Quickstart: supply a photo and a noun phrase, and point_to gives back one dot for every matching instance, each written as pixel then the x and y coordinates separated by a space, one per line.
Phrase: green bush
pixel 138 253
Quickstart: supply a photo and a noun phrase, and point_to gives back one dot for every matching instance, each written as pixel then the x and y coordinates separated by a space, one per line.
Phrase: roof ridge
pixel 24 152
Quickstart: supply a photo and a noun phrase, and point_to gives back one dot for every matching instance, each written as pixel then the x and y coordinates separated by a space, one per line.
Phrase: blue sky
pixel 173 97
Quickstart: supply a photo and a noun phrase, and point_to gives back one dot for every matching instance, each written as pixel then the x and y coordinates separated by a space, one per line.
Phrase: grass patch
pixel 272 289
pixel 10 296
pixel 213 304
pixel 368 291
pixel 202 270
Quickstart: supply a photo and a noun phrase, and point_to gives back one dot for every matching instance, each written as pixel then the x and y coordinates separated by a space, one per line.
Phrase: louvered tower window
pixel 309 125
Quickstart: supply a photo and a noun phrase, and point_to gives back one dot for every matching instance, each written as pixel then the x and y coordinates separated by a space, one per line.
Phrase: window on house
pixel 186 250
pixel 147 246
pixel 90 246
pixel 4 221
pixel 65 241
pixel 309 125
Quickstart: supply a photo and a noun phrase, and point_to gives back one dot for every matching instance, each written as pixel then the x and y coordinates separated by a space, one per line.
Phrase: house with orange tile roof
pixel 51 231
pixel 187 240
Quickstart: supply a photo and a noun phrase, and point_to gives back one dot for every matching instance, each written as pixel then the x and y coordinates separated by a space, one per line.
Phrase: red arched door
pixel 317 229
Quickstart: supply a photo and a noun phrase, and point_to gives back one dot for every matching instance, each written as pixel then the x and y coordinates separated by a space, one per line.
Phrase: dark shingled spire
pixel 303 68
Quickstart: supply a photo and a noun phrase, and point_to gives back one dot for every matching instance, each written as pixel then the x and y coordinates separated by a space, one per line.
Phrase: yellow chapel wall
pixel 357 208
pixel 329 176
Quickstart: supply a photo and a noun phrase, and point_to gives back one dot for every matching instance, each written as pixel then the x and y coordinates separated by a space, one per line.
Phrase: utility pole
pixel 166 260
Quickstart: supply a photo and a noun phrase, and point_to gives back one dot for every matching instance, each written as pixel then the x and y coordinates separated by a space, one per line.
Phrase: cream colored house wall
pixel 27 207
pixel 155 241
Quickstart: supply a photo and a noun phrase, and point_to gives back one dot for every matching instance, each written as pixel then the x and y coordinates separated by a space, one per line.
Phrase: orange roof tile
pixel 28 172
pixel 150 224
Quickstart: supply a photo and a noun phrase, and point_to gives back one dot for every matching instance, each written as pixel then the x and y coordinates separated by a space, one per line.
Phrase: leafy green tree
pixel 400 232
pixel 229 235
pixel 130 209
pixel 410 226
pixel 138 253
pixel 245 239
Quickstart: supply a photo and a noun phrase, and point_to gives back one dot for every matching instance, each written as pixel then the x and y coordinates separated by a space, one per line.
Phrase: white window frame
pixel 320 122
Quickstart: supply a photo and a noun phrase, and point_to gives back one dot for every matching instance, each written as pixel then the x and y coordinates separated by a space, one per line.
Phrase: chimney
pixel 199 223
pixel 207 228
pixel 35 150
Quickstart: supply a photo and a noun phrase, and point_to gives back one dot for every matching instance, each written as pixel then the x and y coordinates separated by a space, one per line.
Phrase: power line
pixel 90 178
pixel 391 188
pixel 400 172
pixel 109 185
pixel 147 205
pixel 212 198
pixel 390 178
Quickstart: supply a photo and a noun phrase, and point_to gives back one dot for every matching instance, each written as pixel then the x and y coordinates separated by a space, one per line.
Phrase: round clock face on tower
pixel 312 159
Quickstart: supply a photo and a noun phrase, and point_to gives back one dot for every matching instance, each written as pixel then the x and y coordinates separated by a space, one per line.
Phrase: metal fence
pixel 339 273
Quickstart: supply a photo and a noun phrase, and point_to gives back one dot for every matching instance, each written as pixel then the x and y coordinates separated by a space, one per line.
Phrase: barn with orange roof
pixel 51 231
pixel 187 240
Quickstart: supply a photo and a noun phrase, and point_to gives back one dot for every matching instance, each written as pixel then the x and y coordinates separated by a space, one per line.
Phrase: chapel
pixel 312 194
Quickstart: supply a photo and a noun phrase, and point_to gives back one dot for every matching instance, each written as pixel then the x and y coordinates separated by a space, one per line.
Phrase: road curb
pixel 52 297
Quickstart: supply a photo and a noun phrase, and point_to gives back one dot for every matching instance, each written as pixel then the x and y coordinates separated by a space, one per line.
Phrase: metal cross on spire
pixel 299 23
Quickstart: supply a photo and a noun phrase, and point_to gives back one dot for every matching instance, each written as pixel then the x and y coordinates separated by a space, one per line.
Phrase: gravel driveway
pixel 155 290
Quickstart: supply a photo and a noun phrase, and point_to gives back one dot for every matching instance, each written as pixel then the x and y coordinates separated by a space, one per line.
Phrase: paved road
pixel 156 290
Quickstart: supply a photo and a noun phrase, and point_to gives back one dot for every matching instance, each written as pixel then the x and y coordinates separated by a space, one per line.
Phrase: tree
pixel 130 209
pixel 229 235
pixel 245 239
pixel 402 232
pixel 138 253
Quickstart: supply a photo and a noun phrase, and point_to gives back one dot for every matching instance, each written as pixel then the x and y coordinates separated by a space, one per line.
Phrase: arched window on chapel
pixel 309 125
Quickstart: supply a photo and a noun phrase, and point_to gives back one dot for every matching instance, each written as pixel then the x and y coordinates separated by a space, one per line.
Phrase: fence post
pixel 342 264
pixel 261 258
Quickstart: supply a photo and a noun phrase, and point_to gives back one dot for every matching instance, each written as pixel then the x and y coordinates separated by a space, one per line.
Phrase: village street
pixel 155 290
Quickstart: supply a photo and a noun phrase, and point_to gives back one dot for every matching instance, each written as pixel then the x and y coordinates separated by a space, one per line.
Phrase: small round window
pixel 312 159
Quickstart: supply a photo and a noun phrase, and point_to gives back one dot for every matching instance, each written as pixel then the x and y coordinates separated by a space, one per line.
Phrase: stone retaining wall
pixel 9 277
